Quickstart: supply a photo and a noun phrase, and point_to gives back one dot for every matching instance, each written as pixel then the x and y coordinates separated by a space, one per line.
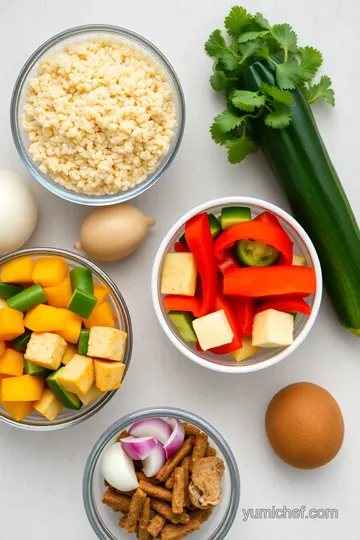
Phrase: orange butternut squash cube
pixel 18 409
pixel 59 295
pixel 11 324
pixel 50 271
pixel 44 318
pixel 102 315
pixel 101 293
pixel 24 388
pixel 72 329
pixel 18 270
pixel 2 348
pixel 11 363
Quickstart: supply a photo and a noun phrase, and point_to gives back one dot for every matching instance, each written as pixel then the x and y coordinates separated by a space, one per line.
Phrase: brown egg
pixel 304 425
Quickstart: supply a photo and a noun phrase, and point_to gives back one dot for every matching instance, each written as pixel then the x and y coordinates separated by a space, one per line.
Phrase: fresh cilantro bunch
pixel 253 39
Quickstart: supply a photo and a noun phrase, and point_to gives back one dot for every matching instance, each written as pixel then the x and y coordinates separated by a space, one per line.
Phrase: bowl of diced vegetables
pixel 65 339
pixel 236 284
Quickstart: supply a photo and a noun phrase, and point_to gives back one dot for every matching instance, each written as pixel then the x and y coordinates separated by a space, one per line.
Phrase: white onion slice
pixel 138 448
pixel 176 439
pixel 152 427
pixel 118 469
pixel 153 463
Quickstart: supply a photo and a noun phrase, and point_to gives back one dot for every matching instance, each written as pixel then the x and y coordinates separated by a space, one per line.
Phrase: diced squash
pixel 50 271
pixel 59 295
pixel 2 348
pixel 18 409
pixel 68 354
pixel 246 350
pixel 45 350
pixel 48 405
pixel 44 318
pixel 108 343
pixel 24 388
pixel 102 315
pixel 91 395
pixel 101 293
pixel 18 270
pixel 78 376
pixel 11 324
pixel 108 375
pixel 12 363
pixel 72 329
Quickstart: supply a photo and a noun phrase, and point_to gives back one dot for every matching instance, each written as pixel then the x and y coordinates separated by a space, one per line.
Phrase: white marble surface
pixel 40 474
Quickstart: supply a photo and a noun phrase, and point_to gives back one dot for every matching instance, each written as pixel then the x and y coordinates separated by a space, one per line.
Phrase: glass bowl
pixel 55 44
pixel 265 357
pixel 104 521
pixel 69 417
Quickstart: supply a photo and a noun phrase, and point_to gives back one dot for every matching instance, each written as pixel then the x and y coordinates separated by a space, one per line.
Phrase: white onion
pixel 151 427
pixel 138 448
pixel 118 469
pixel 176 439
pixel 155 461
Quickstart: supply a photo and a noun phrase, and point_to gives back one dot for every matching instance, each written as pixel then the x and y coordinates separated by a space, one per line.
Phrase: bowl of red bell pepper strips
pixel 236 284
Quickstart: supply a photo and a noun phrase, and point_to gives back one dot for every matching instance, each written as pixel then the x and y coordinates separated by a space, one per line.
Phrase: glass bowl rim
pixel 150 412
pixel 125 311
pixel 164 246
pixel 57 189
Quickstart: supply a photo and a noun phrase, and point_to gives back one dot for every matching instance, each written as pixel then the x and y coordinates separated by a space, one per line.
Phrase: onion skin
pixel 138 448
pixel 113 232
pixel 152 427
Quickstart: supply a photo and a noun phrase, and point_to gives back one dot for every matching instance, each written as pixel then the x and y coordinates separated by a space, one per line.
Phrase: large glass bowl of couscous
pixel 97 114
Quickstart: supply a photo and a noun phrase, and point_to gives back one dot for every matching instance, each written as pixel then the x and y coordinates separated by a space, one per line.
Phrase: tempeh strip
pixel 176 532
pixel 122 435
pixel 128 493
pixel 141 476
pixel 201 442
pixel 201 515
pixel 210 451
pixel 178 494
pixel 165 510
pixel 169 484
pixel 136 505
pixel 172 463
pixel 158 492
pixel 122 522
pixel 144 520
pixel 156 525
pixel 116 501
pixel 190 430
pixel 186 462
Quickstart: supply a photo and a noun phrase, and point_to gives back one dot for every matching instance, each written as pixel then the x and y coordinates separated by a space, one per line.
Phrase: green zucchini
pixel 302 166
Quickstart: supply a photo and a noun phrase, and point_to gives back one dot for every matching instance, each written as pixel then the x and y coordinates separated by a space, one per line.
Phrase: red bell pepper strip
pixel 174 302
pixel 200 242
pixel 288 305
pixel 179 247
pixel 259 282
pixel 267 233
pixel 244 310
pixel 268 217
pixel 229 263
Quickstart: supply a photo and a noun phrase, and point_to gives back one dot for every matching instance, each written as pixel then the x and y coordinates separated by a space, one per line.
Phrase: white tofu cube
pixel 78 375
pixel 273 329
pixel 108 375
pixel 3 303
pixel 246 350
pixel 48 405
pixel 179 274
pixel 298 260
pixel 106 342
pixel 45 350
pixel 213 330
pixel 91 395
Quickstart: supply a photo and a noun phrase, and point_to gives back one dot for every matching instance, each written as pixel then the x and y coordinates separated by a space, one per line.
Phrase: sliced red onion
pixel 176 439
pixel 152 427
pixel 138 448
pixel 154 462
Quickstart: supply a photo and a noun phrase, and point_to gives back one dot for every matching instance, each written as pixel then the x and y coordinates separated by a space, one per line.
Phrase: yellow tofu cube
pixel 213 330
pixel 179 274
pixel 108 375
pixel 298 260
pixel 48 405
pixel 70 351
pixel 78 376
pixel 45 350
pixel 273 329
pixel 3 303
pixel 92 394
pixel 106 342
pixel 246 350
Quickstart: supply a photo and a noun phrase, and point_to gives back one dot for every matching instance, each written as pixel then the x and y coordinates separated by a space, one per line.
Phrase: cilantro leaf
pixel 249 49
pixel 247 101
pixel 321 90
pixel 237 20
pixel 278 95
pixel 260 20
pixel 250 36
pixel 238 149
pixel 285 36
pixel 280 117
pixel 229 60
pixel 216 44
pixel 262 52
pixel 220 137
pixel 288 75
pixel 311 60
pixel 218 81
pixel 226 121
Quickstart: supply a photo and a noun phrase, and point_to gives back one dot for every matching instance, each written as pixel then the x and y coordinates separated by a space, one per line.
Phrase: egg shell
pixel 118 469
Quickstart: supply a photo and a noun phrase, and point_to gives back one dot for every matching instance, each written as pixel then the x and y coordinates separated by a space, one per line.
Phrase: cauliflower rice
pixel 100 116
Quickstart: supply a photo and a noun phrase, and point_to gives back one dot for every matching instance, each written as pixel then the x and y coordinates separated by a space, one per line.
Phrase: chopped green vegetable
pixel 82 303
pixel 66 398
pixel 27 299
pixel 7 290
pixel 32 369
pixel 83 342
pixel 82 278
pixel 252 253
pixel 232 215
pixel 20 343
pixel 182 320
pixel 215 228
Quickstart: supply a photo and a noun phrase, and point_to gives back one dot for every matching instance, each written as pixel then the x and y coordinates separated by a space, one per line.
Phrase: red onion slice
pixel 152 427
pixel 153 463
pixel 138 448
pixel 176 439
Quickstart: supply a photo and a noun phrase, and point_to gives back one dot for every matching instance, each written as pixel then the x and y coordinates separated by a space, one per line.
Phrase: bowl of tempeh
pixel 187 485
